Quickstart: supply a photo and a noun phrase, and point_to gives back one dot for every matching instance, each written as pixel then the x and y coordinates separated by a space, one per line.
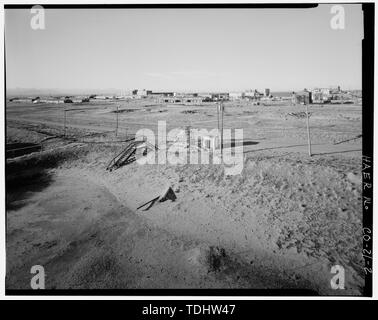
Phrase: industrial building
pixel 220 96
pixel 143 93
pixel 322 95
pixel 236 95
pixel 163 94
pixel 302 97
pixel 253 95
pixel 331 95
pixel 185 99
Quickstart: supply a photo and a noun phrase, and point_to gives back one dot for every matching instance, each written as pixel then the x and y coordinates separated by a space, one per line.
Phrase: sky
pixel 184 49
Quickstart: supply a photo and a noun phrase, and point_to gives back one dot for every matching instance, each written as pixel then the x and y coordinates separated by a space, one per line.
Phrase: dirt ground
pixel 282 223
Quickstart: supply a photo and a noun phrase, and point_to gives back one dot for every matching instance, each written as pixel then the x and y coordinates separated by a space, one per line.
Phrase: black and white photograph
pixel 188 149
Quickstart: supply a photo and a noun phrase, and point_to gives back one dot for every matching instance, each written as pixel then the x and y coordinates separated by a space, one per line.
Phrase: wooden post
pixel 187 132
pixel 308 131
pixel 116 131
pixel 221 106
pixel 218 107
pixel 65 121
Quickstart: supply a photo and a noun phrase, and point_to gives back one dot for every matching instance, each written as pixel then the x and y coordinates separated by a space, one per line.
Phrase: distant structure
pixel 322 95
pixel 236 95
pixel 331 95
pixel 100 97
pixel 224 96
pixel 162 94
pixel 249 94
pixel 36 100
pixel 316 95
pixel 206 96
pixel 67 100
pixel 182 99
pixel 253 95
pixel 302 97
pixel 143 93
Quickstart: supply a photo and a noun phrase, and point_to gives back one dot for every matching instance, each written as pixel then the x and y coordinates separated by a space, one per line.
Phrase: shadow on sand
pixel 20 187
pixel 335 152
pixel 274 148
pixel 29 174
pixel 236 143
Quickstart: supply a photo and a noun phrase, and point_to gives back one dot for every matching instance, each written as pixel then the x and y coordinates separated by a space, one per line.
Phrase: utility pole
pixel 221 107
pixel 116 131
pixel 308 130
pixel 218 107
pixel 65 121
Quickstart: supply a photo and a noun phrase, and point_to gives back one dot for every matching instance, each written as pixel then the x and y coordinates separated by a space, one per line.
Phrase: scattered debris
pixel 36 100
pixel 167 194
pixel 124 110
pixel 299 115
pixel 151 202
pixel 190 111
pixel 128 154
